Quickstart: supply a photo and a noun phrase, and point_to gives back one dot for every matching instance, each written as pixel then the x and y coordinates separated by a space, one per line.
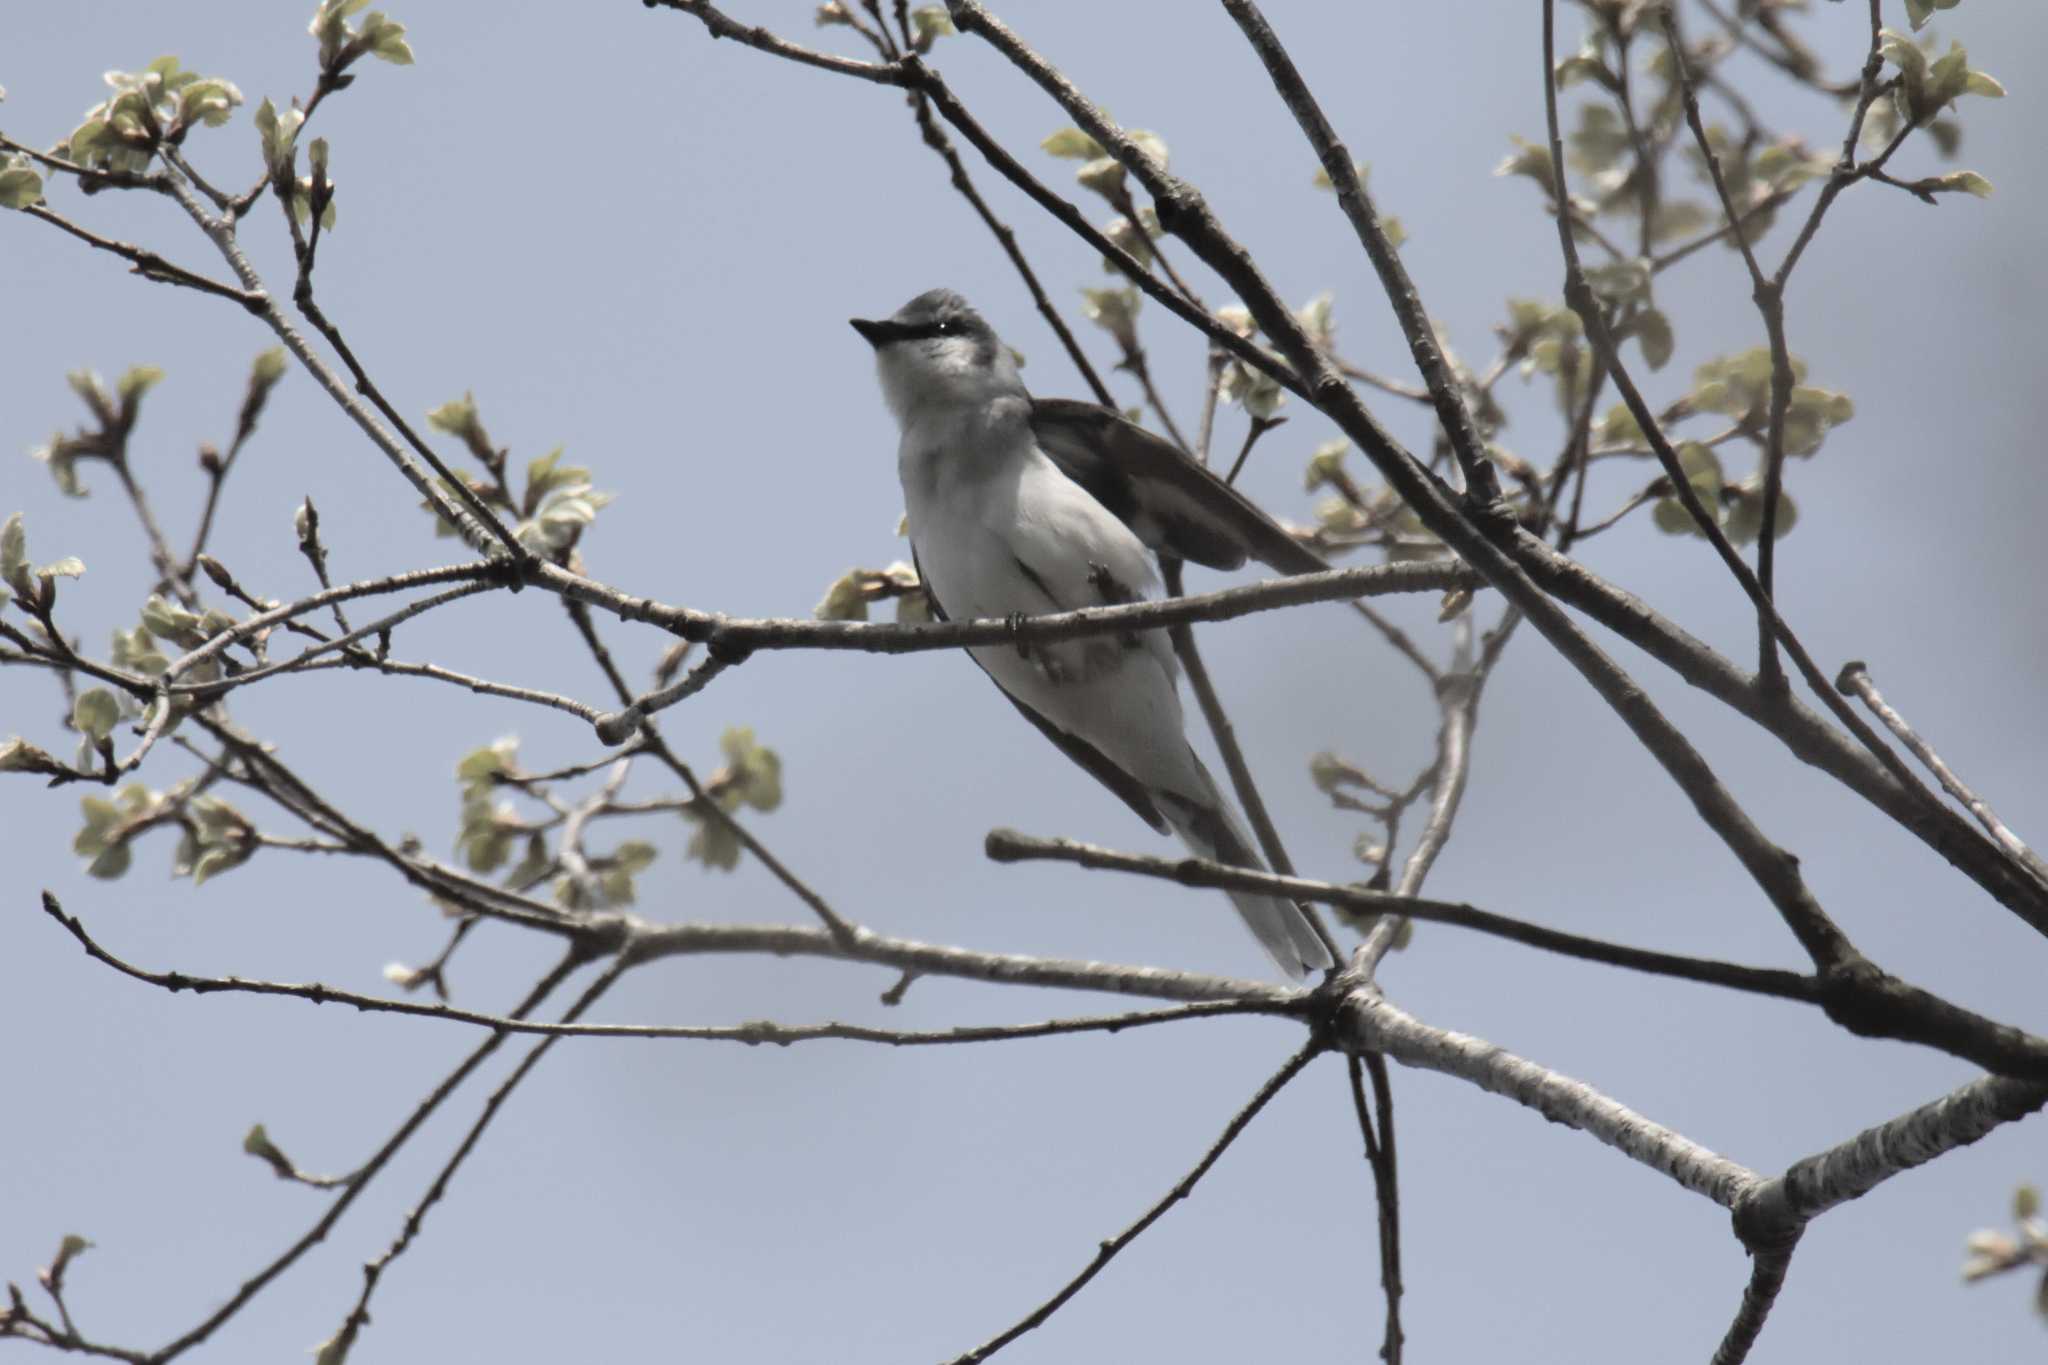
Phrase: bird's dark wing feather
pixel 1175 504
pixel 1128 789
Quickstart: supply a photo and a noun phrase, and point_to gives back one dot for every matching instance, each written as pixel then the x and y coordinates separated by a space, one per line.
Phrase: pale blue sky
pixel 630 240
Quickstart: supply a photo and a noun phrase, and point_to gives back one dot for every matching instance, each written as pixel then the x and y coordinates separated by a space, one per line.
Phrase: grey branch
pixel 754 1033
pixel 1854 679
pixel 1009 846
pixel 1108 1250
pixel 1367 1020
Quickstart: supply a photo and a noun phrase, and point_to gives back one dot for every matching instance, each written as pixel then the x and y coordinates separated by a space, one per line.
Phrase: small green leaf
pixel 1104 175
pixel 1745 520
pixel 1321 179
pixel 17 755
pixel 215 861
pixel 929 22
pixel 1620 281
pixel 1329 773
pixel 1151 144
pixel 534 864
pixel 1702 469
pixel 1670 517
pixel 1135 241
pixel 1530 160
pixel 257 1143
pixel 1652 331
pixel 914 609
pixel 208 100
pixel 276 132
pixel 1325 465
pixel 1618 427
pixel 1073 144
pixel 1982 83
pixel 170 622
pixel 14 556
pixel 844 600
pixel 714 844
pixel 1967 182
pixel 756 769
pixel 478 769
pixel 2026 1202
pixel 456 417
pixel 110 865
pixel 20 186
pixel 1920 11
pixel 385 39
pixel 95 713
pixel 1115 311
pixel 1316 319
pixel 635 855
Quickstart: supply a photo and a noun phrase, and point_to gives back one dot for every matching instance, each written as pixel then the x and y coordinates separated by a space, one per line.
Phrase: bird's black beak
pixel 877 334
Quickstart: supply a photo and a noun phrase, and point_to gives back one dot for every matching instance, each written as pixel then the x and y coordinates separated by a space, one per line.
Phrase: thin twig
pixel 1766 1277
pixel 1009 846
pixel 1855 679
pixel 1240 772
pixel 147 263
pixel 373 1270
pixel 935 138
pixel 1379 1156
pixel 1482 485
pixel 1582 300
pixel 1181 1190
pixel 754 1034
pixel 317 1233
pixel 842 930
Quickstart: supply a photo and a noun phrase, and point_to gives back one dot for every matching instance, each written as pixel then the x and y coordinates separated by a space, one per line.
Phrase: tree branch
pixel 753 1034
pixel 1181 1190
pixel 1367 1020
pixel 1008 846
pixel 314 1235
pixel 1854 679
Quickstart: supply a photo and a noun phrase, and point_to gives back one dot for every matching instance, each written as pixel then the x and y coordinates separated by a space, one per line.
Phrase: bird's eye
pixel 948 328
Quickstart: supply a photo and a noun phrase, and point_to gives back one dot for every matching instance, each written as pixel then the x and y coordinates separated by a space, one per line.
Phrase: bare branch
pixel 740 636
pixel 721 25
pixel 314 1235
pixel 478 532
pixel 147 263
pixel 1854 679
pixel 373 1270
pixel 1367 1020
pixel 1379 1155
pixel 1482 485
pixel 1008 846
pixel 1766 1277
pixel 1240 772
pixel 755 1033
pixel 1186 1185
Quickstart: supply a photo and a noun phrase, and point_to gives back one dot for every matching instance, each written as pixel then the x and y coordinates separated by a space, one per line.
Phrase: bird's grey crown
pixel 942 312
pixel 942 305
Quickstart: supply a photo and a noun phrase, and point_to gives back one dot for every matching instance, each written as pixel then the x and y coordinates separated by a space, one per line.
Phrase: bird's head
pixel 936 351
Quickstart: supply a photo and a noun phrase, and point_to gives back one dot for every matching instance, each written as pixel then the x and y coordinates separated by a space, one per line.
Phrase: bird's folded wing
pixel 1128 789
pixel 1174 503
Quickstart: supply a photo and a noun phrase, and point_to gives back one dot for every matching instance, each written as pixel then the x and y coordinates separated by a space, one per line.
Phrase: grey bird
pixel 1019 507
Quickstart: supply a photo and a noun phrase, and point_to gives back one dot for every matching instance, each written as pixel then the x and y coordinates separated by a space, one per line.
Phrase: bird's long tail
pixel 1210 829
